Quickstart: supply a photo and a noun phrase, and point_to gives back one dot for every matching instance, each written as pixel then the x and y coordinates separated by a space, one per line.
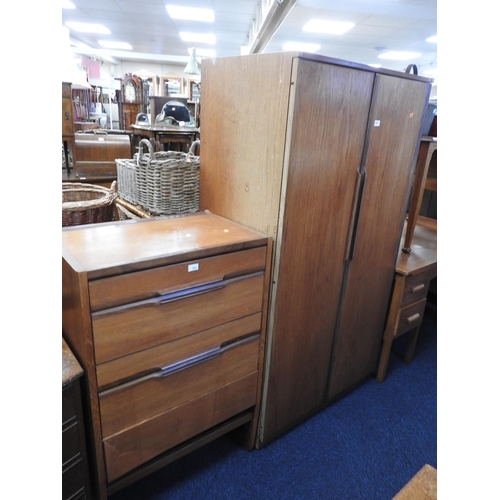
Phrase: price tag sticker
pixel 376 123
pixel 193 267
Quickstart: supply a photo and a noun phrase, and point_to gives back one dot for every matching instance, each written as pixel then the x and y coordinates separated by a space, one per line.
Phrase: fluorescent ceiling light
pixel 301 47
pixel 197 37
pixel 66 4
pixel 328 27
pixel 190 13
pixel 206 52
pixel 432 39
pixel 108 44
pixel 399 56
pixel 88 28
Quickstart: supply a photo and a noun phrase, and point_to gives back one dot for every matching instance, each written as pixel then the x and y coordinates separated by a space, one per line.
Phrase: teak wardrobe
pixel 318 153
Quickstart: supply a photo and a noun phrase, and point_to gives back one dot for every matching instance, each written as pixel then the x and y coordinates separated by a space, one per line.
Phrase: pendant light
pixel 192 66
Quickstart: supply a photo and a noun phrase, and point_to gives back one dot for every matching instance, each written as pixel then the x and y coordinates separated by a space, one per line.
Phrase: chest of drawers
pixel 75 477
pixel 168 317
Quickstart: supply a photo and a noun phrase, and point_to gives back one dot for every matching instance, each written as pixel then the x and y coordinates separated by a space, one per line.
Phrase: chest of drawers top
pixel 107 249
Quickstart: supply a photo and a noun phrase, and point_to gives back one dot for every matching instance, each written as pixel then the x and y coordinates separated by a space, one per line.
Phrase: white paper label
pixel 376 123
pixel 192 267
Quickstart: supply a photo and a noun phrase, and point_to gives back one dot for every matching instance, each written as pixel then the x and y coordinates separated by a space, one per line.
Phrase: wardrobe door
pixel 393 136
pixel 328 117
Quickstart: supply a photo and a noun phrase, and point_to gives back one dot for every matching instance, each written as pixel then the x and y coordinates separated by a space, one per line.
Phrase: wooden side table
pixel 412 277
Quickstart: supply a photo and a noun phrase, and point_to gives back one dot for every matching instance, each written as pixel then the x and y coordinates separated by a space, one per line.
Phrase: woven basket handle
pixel 411 67
pixel 140 150
pixel 193 147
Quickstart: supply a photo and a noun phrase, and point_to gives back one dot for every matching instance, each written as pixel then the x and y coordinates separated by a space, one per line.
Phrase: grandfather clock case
pixel 131 99
pixel 318 153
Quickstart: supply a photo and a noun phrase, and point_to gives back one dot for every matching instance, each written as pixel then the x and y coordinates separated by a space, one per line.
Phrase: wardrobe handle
pixel 360 184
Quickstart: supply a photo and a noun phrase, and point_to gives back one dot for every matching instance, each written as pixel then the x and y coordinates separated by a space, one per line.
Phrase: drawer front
pixel 411 316
pixel 125 330
pixel 119 370
pixel 70 442
pixel 142 399
pixel 73 480
pixel 118 290
pixel 134 446
pixel 68 403
pixel 416 287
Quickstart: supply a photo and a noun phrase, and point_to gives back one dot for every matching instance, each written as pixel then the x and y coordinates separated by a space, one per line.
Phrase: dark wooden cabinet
pixel 317 153
pixel 75 471
pixel 168 317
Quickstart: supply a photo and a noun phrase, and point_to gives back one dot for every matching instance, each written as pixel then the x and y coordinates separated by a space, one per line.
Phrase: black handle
pixel 412 67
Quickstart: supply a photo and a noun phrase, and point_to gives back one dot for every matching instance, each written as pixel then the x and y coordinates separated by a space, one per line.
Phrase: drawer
pixel 73 480
pixel 70 442
pixel 68 403
pixel 416 287
pixel 410 316
pixel 177 383
pixel 136 445
pixel 118 290
pixel 122 369
pixel 127 329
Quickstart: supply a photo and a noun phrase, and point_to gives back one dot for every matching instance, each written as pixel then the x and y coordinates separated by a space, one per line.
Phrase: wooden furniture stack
pixel 319 154
pixel 167 316
pixel 68 131
pixel 75 470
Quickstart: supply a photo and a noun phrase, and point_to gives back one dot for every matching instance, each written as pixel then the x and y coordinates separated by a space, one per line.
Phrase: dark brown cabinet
pixel 317 153
pixel 75 475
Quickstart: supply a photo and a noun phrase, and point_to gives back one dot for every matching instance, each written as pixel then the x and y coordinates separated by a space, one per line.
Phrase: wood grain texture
pixel 322 175
pixel 244 116
pixel 131 405
pixel 394 129
pixel 123 332
pixel 103 251
pixel 99 249
pixel 142 361
pixel 123 454
pixel 130 287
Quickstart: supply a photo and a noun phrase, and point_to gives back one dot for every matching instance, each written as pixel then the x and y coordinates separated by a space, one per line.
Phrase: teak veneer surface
pixel 157 241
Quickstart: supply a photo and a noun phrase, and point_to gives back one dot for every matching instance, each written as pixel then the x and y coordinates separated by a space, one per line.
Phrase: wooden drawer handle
pixel 418 288
pixel 413 318
pixel 183 363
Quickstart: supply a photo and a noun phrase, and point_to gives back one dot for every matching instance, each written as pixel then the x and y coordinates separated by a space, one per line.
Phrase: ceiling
pixel 380 26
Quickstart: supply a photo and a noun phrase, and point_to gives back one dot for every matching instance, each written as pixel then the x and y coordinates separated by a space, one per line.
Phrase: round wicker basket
pixel 87 203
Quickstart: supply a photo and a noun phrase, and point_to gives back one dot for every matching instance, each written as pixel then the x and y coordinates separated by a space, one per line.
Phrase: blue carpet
pixel 365 446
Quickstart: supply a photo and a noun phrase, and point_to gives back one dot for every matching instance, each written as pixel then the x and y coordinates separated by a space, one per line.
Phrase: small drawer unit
pixel 169 314
pixel 406 312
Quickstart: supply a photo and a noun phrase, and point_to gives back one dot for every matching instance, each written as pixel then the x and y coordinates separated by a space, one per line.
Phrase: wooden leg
pixel 384 360
pixel 410 348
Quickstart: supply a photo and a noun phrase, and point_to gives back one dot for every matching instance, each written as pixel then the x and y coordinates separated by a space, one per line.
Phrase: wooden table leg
pixel 410 348
pixel 384 360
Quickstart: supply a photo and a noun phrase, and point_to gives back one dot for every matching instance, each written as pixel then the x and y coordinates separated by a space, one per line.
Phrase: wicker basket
pixel 168 182
pixel 126 177
pixel 87 203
